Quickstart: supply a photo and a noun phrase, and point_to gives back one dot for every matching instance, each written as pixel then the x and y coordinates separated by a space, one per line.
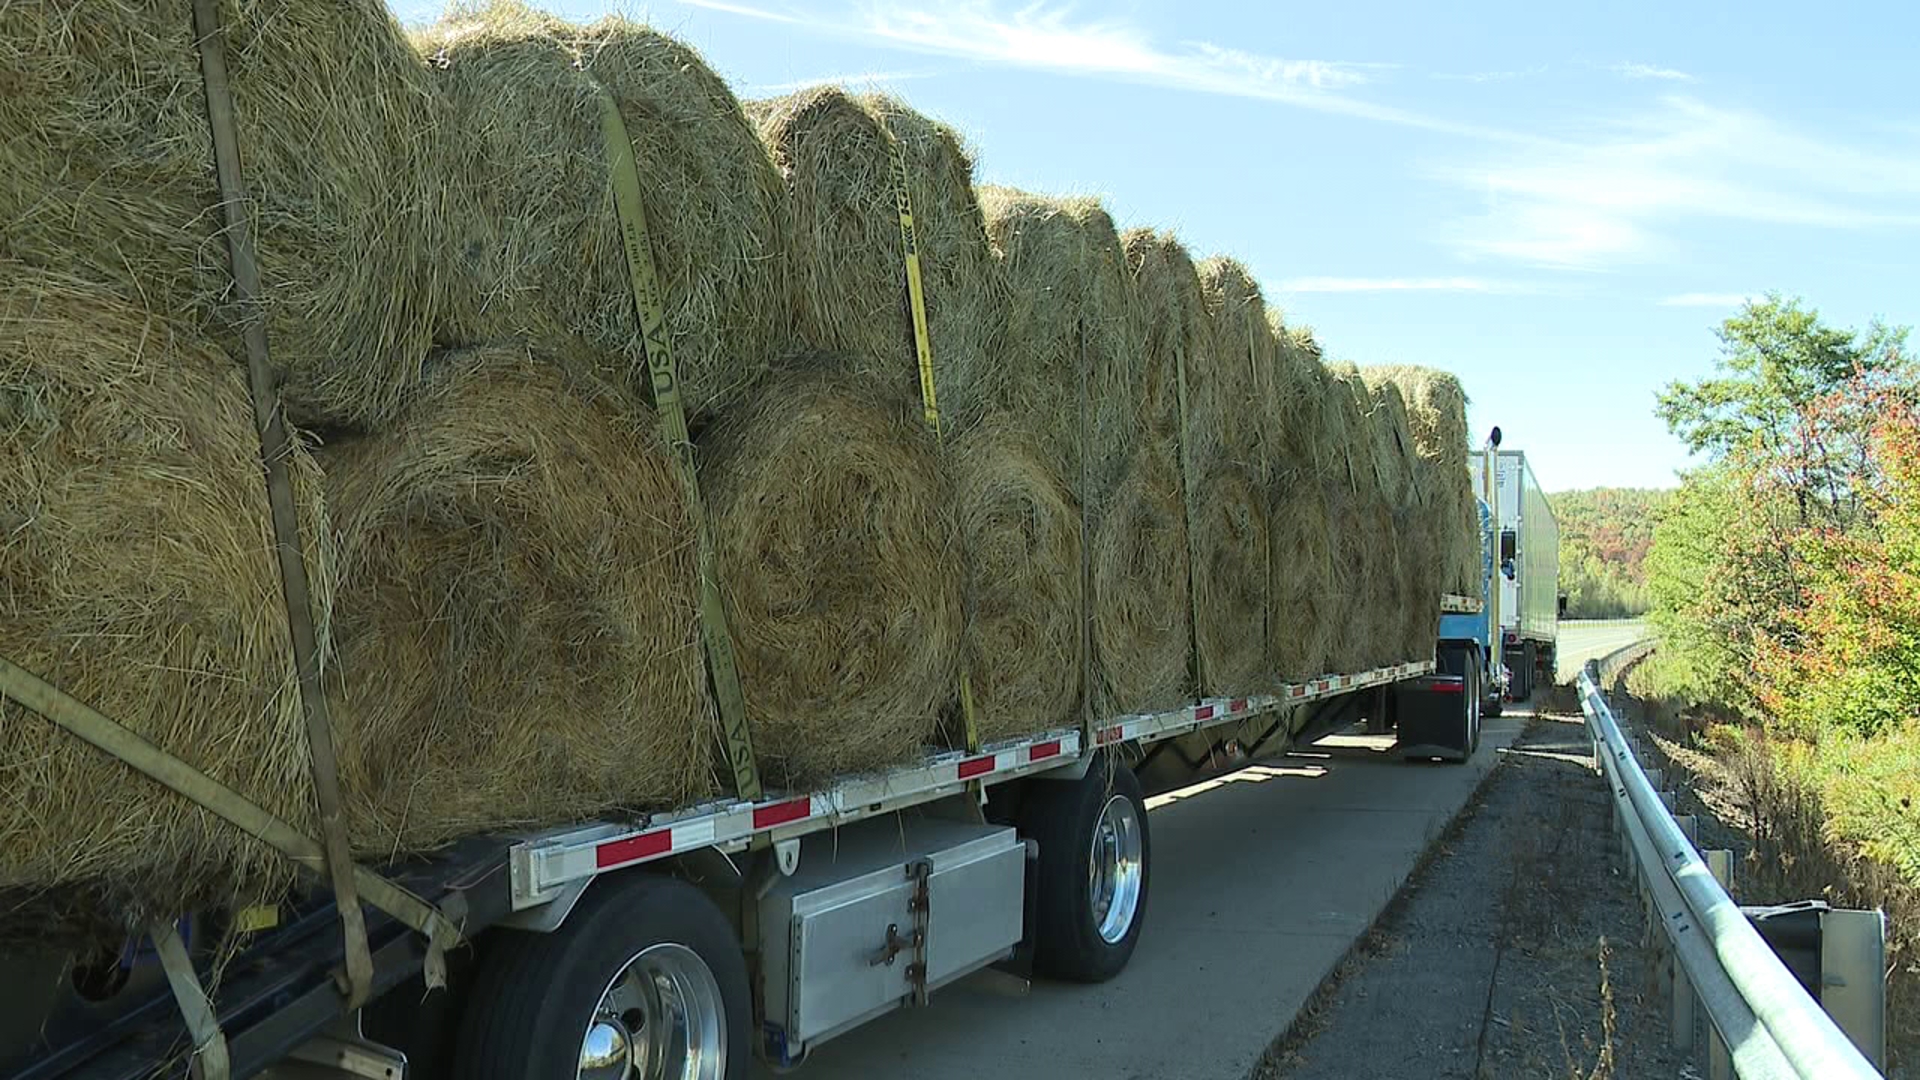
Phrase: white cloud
pixel 744 9
pixel 1701 299
pixel 1401 284
pixel 853 79
pixel 1627 70
pixel 1615 195
pixel 1492 76
pixel 1051 39
pixel 1037 37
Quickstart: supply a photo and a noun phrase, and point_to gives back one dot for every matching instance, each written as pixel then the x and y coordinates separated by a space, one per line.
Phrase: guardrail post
pixel 1853 978
pixel 1682 1010
pixel 1720 865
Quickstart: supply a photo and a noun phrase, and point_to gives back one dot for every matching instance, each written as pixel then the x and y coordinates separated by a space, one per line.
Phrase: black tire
pixel 1062 815
pixel 1475 696
pixel 535 993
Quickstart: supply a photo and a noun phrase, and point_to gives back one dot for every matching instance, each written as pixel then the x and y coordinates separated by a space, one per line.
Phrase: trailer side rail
pixel 544 867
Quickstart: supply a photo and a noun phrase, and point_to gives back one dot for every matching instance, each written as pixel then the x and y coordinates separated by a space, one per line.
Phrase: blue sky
pixel 1558 202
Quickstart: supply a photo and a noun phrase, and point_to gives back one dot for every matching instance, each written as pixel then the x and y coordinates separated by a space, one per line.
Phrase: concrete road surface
pixel 1582 640
pixel 1261 881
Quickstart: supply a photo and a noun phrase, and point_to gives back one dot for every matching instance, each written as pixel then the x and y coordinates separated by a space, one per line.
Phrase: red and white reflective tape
pixel 542 867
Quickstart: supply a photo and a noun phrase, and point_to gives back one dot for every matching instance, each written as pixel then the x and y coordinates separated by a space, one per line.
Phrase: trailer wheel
pixel 1091 880
pixel 644 980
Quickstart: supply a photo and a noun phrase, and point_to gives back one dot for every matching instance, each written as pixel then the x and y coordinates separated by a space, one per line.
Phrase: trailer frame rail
pixel 544 868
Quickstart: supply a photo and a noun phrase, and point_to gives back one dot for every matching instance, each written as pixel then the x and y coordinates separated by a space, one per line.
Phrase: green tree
pixel 1604 537
pixel 1851 652
pixel 1786 423
pixel 1777 361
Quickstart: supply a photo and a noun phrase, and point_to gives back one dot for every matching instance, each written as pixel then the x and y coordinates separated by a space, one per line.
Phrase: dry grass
pixel 1226 504
pixel 538 247
pixel 1070 320
pixel 1021 529
pixel 1437 411
pixel 136 573
pixel 839 547
pixel 1797 852
pixel 1141 636
pixel 1357 519
pixel 108 175
pixel 1417 536
pixel 1171 308
pixel 1303 620
pixel 516 619
pixel 836 151
pixel 1228 389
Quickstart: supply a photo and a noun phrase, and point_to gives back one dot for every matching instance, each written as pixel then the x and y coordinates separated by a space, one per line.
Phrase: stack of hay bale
pixel 1230 455
pixel 504 568
pixel 1413 595
pixel 1075 349
pixel 1437 412
pixel 1304 620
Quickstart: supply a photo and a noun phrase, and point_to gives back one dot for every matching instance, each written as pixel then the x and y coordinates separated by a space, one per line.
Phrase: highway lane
pixel 1582 640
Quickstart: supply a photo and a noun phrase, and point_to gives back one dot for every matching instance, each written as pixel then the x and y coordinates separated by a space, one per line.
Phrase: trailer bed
pixel 279 992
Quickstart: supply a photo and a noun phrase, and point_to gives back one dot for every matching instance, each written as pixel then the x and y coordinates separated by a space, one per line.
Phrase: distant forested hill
pixel 1604 537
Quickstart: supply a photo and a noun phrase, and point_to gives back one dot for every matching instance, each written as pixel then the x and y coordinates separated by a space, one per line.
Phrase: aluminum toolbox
pixel 845 939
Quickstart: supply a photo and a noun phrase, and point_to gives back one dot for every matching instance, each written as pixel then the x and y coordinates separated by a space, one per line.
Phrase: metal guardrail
pixel 1766 1025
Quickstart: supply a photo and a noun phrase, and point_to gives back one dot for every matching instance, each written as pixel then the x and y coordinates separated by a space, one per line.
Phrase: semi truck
pixel 1525 602
pixel 688 943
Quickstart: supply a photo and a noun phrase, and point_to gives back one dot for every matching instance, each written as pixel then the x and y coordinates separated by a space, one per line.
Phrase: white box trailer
pixel 1527 570
pixel 685 944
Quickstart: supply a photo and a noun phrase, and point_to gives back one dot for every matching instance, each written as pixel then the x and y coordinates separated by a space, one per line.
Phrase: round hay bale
pixel 1437 409
pixel 1359 523
pixel 1231 581
pixel 1172 310
pixel 539 248
pixel 1414 584
pixel 1304 618
pixel 137 574
pixel 1141 634
pixel 839 556
pixel 1021 529
pixel 848 288
pixel 516 620
pixel 1227 393
pixel 1068 282
pixel 108 174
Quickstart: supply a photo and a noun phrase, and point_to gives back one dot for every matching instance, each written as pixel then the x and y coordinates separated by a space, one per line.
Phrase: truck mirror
pixel 1494 438
pixel 1563 605
pixel 1509 546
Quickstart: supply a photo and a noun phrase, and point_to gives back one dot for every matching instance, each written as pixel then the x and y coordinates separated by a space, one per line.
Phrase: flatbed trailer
pixel 278 998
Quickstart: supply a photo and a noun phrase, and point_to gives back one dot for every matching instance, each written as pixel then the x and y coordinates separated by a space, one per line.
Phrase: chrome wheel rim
pixel 660 1018
pixel 1114 877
